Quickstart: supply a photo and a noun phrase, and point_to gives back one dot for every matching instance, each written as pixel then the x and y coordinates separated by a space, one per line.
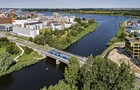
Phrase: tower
pixel 12 15
pixel 33 15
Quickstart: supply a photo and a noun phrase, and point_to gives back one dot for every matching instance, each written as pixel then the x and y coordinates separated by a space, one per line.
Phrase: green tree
pixel 40 39
pixel 6 61
pixel 78 20
pixel 61 86
pixel 28 50
pixel 12 49
pixel 90 21
pixel 103 74
pixel 30 39
pixel 4 40
pixel 71 72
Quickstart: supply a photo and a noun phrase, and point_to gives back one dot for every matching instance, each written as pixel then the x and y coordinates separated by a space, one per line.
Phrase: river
pixel 36 76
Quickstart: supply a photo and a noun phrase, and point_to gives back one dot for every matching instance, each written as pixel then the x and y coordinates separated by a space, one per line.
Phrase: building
pixel 19 23
pixel 67 25
pixel 6 27
pixel 56 26
pixel 6 18
pixel 131 29
pixel 25 31
pixel 132 45
pixel 34 25
pixel 59 18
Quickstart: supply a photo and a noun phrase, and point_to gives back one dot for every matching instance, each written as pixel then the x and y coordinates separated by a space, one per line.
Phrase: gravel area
pixel 119 55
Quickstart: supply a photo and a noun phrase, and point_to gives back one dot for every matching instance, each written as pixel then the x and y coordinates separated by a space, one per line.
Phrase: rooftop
pixel 7 25
pixel 132 39
pixel 34 23
pixel 134 27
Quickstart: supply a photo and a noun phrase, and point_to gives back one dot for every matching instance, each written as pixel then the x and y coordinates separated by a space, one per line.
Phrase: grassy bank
pixel 88 30
pixel 120 35
pixel 111 47
pixel 23 61
pixel 61 39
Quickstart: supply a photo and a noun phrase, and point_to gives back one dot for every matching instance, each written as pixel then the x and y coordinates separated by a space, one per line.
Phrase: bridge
pixel 62 56
pixel 58 55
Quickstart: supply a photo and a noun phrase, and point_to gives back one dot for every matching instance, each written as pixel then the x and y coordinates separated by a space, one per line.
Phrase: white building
pixel 67 25
pixel 19 23
pixel 34 25
pixel 56 26
pixel 71 19
pixel 25 31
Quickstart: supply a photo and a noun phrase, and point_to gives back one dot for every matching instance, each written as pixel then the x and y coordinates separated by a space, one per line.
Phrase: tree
pixel 40 39
pixel 71 72
pixel 12 49
pixel 4 40
pixel 78 20
pixel 103 74
pixel 6 61
pixel 60 86
pixel 90 21
pixel 28 50
pixel 30 39
pixel 84 19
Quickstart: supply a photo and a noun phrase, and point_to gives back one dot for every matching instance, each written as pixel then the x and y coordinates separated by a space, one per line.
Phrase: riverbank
pixel 125 13
pixel 88 30
pixel 61 39
pixel 23 61
pixel 120 35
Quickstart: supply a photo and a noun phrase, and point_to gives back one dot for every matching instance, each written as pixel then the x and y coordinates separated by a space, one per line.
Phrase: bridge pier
pixel 57 61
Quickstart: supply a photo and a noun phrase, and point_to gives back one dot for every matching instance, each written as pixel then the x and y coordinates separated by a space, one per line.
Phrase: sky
pixel 69 3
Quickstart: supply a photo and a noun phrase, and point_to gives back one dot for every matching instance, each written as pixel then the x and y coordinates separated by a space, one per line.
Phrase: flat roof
pixel 20 28
pixel 134 27
pixel 33 23
pixel 132 39
pixel 7 25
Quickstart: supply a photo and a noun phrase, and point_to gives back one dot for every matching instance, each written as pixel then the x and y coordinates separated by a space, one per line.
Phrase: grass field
pixel 23 61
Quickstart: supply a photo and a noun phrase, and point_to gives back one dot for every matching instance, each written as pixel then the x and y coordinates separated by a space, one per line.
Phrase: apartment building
pixel 132 45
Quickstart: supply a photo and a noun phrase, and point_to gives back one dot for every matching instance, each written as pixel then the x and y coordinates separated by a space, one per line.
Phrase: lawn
pixel 23 61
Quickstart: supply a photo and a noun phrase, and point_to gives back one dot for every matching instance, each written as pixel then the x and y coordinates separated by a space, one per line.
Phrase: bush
pixel 30 39
pixel 28 50
pixel 12 49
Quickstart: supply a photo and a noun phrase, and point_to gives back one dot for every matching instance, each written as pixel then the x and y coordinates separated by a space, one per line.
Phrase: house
pixel 6 27
pixel 25 31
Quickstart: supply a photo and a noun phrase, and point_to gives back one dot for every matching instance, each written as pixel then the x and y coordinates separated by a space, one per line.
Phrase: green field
pixel 23 61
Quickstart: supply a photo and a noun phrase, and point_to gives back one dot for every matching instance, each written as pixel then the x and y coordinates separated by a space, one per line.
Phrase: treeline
pixel 120 35
pixel 96 74
pixel 61 39
pixel 125 12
